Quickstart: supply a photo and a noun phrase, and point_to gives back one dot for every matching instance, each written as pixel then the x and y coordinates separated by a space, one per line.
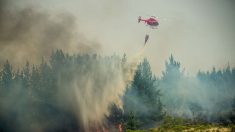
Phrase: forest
pixel 43 98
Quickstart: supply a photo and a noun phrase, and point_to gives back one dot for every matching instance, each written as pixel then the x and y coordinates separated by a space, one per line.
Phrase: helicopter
pixel 152 21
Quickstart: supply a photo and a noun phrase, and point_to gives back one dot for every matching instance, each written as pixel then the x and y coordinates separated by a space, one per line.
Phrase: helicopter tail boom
pixel 139 19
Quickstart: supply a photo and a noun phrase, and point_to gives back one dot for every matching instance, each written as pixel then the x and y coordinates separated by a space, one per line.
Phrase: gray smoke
pixel 192 97
pixel 32 33
pixel 94 87
pixel 29 34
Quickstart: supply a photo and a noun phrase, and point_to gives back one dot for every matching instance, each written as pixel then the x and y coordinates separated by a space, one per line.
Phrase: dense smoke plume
pixel 70 90
pixel 30 33
pixel 95 87
pixel 86 89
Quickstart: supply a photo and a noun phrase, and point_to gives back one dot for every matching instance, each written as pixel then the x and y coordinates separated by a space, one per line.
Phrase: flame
pixel 120 129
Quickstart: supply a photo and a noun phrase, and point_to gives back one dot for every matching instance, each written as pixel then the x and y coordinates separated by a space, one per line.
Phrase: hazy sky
pixel 199 33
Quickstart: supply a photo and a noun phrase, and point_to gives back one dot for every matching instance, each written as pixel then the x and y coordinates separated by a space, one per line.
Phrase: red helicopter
pixel 152 21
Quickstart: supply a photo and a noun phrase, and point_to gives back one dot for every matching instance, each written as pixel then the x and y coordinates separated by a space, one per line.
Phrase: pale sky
pixel 199 33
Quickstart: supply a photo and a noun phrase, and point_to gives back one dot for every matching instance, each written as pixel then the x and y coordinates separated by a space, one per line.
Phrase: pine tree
pixel 46 82
pixel 35 83
pixel 143 98
pixel 172 71
pixel 7 75
pixel 57 60
pixel 170 85
pixel 132 122
pixel 116 115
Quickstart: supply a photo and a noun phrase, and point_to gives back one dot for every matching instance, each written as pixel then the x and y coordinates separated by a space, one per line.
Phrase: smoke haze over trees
pixel 209 96
pixel 76 89
pixel 70 90
pixel 80 92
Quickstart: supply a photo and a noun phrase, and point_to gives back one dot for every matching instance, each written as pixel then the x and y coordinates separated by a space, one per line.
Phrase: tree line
pixel 28 98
